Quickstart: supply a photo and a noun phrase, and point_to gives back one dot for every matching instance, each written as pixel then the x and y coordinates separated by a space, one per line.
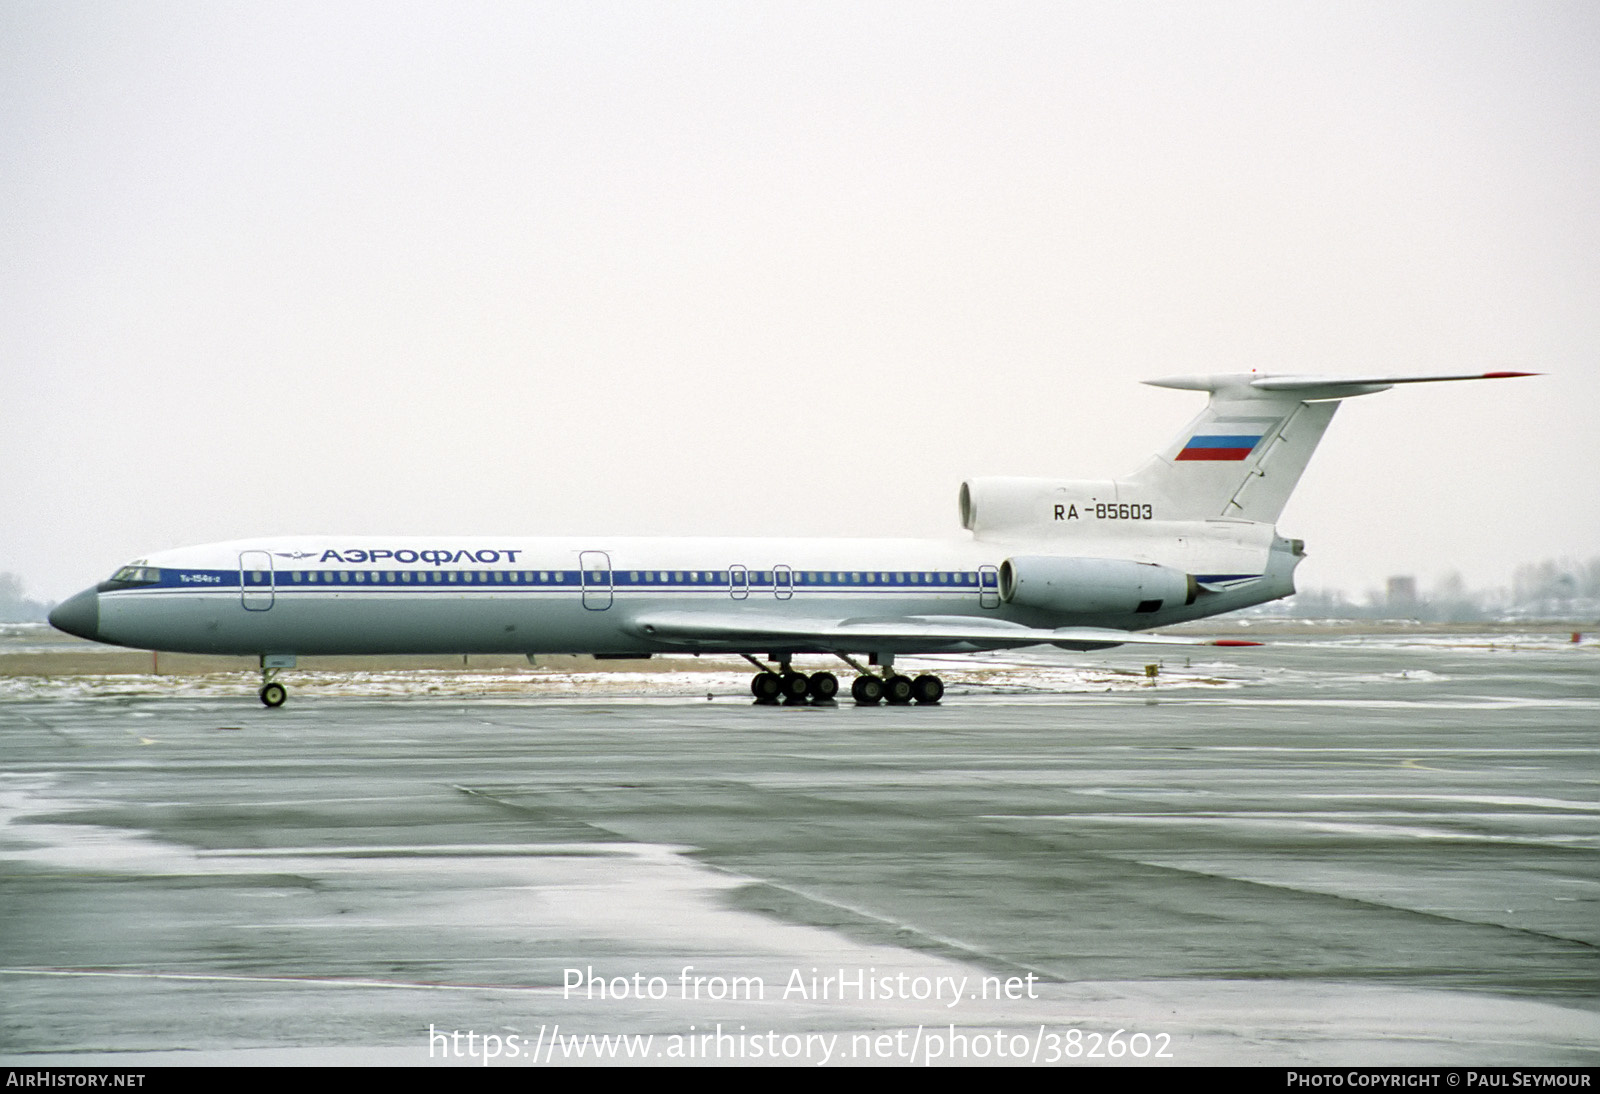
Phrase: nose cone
pixel 79 615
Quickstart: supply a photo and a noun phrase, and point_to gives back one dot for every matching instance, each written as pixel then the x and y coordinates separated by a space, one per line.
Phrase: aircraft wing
pixel 911 633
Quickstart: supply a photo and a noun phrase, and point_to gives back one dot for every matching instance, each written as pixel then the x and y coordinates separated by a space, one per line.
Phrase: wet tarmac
pixel 1348 851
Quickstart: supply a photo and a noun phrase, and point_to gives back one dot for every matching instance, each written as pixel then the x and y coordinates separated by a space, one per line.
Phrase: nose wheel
pixel 272 693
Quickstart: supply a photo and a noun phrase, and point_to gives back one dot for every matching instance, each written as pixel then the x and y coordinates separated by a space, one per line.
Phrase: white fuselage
pixel 354 595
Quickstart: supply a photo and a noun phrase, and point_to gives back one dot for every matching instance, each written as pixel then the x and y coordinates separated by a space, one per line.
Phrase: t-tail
pixel 1238 461
pixel 1242 456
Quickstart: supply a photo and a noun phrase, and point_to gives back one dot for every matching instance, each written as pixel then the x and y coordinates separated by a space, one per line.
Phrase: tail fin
pixel 1243 455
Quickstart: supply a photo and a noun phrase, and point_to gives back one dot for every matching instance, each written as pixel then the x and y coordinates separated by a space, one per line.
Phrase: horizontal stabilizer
pixel 1317 387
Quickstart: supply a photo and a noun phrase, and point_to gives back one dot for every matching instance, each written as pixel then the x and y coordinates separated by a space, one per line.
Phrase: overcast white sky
pixel 783 268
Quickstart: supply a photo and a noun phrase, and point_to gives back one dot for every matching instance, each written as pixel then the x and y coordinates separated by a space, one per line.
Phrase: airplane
pixel 1080 565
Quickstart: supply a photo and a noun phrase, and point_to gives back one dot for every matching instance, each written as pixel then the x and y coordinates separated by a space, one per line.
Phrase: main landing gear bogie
pixel 793 688
pixel 784 685
pixel 870 688
pixel 897 690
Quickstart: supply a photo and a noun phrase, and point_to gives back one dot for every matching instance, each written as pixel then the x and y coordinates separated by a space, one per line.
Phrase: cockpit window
pixel 131 576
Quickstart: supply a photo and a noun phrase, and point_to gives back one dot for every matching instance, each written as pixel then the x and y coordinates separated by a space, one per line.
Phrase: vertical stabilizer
pixel 1244 454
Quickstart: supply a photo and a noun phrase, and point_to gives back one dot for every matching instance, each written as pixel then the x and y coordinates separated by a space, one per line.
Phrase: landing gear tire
pixel 898 690
pixel 793 686
pixel 766 687
pixel 273 695
pixel 822 687
pixel 867 690
pixel 927 689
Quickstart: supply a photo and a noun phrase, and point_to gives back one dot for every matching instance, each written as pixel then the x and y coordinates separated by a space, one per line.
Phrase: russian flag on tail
pixel 1230 446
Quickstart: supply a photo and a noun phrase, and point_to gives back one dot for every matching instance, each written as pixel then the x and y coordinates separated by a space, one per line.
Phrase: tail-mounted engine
pixel 1094 586
pixel 1019 506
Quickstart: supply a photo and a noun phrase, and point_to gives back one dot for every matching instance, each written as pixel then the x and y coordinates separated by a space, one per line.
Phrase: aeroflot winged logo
pixel 406 556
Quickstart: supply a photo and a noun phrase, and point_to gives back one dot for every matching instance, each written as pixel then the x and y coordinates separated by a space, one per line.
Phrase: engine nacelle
pixel 1001 506
pixel 1094 586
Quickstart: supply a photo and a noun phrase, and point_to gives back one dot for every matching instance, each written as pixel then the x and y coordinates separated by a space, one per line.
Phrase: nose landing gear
pixel 272 693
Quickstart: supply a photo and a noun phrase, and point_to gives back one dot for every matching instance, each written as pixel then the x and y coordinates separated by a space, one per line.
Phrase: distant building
pixel 17 608
pixel 1401 593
